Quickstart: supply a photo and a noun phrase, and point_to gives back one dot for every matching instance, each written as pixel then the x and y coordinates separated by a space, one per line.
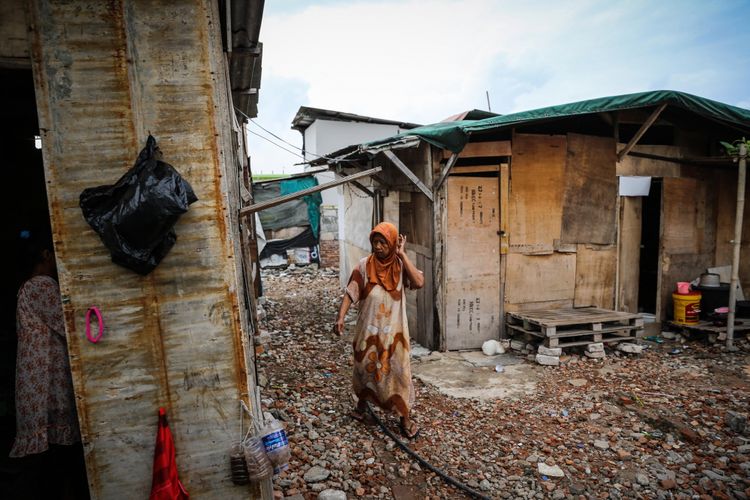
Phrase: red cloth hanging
pixel 165 484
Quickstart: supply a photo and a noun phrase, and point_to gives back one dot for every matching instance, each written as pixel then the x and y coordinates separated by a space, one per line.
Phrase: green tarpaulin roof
pixel 454 135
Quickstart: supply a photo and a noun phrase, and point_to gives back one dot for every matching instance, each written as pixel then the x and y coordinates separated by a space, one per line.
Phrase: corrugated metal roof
pixel 245 53
pixel 306 116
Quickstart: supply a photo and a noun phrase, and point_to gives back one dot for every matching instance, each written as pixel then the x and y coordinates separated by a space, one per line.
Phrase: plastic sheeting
pixel 300 212
pixel 454 135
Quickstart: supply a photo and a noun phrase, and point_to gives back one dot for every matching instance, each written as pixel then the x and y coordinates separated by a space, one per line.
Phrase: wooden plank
pixel 483 149
pixel 504 209
pixel 472 262
pixel 257 207
pixel 408 173
pixel 637 137
pixel 595 276
pixel 631 165
pixel 589 205
pixel 630 252
pixel 573 316
pixel 438 223
pixel 474 169
pixel 537 177
pixel 445 171
pixel 537 278
pixel 683 209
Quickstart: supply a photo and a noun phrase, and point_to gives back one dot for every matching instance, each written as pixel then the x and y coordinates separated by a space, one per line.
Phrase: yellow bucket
pixel 687 307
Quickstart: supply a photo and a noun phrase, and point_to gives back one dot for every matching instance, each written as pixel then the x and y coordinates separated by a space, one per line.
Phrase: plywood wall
pixel 631 209
pixel 726 211
pixel 537 179
pixel 472 262
pixel 596 268
pixel 589 204
pixel 688 233
pixel 539 278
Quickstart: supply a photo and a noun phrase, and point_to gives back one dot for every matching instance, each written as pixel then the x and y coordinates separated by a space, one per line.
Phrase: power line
pixel 287 142
pixel 277 145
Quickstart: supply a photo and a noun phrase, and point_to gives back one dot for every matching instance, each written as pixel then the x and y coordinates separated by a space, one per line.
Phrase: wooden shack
pixel 523 212
pixel 105 75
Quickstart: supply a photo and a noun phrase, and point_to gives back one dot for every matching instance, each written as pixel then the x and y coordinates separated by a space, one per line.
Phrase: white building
pixel 324 131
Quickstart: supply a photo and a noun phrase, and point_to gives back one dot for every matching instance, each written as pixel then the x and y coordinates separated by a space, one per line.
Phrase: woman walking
pixel 382 370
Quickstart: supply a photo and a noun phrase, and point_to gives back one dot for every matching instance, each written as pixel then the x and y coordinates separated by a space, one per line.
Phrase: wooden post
pixel 736 243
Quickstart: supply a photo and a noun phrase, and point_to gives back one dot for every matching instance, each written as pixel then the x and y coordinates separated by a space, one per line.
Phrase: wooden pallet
pixel 570 327
pixel 742 325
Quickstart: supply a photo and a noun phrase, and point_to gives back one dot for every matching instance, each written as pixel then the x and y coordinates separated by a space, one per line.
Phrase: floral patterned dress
pixel 382 372
pixel 45 406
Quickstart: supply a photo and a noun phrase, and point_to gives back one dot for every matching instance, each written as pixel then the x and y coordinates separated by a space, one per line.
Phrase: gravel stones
pixel 547 360
pixel 331 494
pixel 736 421
pixel 630 348
pixel 549 470
pixel 578 382
pixel 663 417
pixel 316 474
pixel 549 351
pixel 601 444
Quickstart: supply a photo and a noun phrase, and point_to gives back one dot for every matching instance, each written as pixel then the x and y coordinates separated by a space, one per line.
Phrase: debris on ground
pixel 615 425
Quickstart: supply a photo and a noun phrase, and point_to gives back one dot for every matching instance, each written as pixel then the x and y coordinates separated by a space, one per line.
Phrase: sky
pixel 421 61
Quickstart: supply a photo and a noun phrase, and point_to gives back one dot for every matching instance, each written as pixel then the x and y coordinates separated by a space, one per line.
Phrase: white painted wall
pixel 326 136
pixel 354 207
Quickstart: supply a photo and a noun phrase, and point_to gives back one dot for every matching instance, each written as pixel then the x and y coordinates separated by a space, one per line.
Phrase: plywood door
pixel 472 262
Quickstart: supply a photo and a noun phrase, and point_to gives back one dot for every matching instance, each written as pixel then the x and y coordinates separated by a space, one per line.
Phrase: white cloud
pixel 421 61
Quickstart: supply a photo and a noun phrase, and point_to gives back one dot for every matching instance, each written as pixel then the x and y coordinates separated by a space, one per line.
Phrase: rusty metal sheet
pixel 107 74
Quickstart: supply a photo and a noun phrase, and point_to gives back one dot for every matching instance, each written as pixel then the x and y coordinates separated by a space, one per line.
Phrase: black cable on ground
pixel 448 479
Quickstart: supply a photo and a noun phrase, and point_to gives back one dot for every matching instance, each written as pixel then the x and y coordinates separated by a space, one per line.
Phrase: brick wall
pixel 329 253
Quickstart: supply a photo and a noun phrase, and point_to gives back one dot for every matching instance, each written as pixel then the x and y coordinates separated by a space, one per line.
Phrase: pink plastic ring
pixel 99 318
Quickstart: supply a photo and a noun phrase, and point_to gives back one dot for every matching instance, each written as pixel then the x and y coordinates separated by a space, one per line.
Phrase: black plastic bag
pixel 135 217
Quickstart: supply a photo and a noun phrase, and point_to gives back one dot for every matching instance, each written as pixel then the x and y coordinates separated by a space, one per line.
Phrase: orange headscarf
pixel 385 272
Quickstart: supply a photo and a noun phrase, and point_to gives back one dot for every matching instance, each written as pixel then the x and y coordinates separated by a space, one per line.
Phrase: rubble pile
pixel 667 423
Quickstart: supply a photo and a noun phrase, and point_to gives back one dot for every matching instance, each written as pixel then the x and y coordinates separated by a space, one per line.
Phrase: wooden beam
pixel 637 137
pixel 483 149
pixel 444 173
pixel 408 173
pixel 256 207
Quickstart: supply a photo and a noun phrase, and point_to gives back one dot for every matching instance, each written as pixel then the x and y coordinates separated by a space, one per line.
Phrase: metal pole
pixel 737 242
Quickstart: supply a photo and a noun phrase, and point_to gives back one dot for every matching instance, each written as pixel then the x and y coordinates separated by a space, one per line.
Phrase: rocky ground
pixel 670 423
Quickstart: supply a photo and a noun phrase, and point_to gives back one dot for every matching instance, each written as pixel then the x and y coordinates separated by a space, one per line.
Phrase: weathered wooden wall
pixel 688 234
pixel 536 193
pixel 106 74
pixel 631 219
pixel 589 213
pixel 726 211
pixel 415 221
pixel 14 46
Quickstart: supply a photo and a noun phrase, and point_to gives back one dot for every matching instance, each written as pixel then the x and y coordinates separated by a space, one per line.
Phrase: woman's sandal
pixel 361 416
pixel 412 432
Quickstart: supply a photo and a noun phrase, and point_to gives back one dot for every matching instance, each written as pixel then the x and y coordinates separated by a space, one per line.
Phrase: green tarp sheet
pixel 454 135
